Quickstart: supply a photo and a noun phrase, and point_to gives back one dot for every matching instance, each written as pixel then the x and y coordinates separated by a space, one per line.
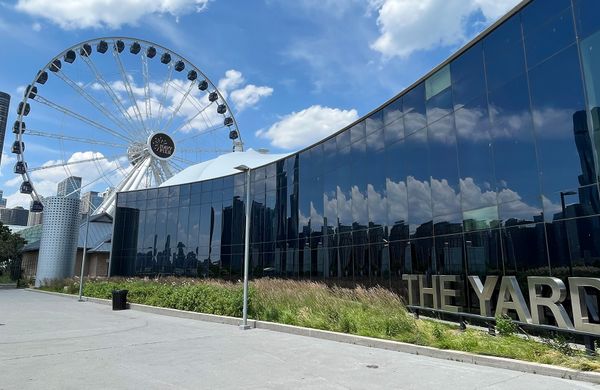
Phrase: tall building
pixel 14 216
pixel 70 187
pixel 4 104
pixel 2 199
pixel 90 200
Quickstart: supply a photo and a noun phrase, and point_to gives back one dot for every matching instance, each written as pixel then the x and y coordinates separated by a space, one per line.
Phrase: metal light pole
pixel 244 325
pixel 564 216
pixel 87 227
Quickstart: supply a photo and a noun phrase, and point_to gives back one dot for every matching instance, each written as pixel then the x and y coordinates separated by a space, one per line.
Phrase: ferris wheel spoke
pixel 202 132
pixel 189 121
pixel 202 150
pixel 166 168
pixel 162 102
pixel 70 163
pixel 125 78
pixel 111 93
pixel 74 139
pixel 90 99
pixel 179 105
pixel 80 117
pixel 175 166
pixel 147 96
pixel 183 160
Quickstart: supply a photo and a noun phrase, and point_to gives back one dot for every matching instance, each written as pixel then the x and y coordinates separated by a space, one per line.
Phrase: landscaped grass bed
pixel 373 312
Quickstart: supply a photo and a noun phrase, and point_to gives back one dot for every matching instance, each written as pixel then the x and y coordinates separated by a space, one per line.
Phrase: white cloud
pixel 407 26
pixel 249 96
pixel 302 128
pixel 74 14
pixel 37 27
pixel 233 79
pixel 241 97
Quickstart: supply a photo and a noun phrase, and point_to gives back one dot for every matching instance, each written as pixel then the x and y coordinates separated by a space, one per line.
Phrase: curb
pixel 8 286
pixel 463 357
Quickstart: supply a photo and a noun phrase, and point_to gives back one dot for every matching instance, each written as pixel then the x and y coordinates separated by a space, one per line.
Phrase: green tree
pixel 11 245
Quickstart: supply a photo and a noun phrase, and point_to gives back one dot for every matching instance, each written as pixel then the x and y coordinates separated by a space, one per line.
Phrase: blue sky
pixel 294 71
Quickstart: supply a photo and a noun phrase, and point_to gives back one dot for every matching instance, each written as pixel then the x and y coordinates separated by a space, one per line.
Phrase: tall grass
pixel 374 312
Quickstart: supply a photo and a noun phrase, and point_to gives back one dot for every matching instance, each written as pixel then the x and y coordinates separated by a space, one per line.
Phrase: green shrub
pixel 505 325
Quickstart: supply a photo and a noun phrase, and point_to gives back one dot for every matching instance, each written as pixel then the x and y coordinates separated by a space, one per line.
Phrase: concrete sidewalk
pixel 56 343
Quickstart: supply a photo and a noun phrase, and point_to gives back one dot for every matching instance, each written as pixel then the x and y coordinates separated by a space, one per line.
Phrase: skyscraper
pixel 2 200
pixel 14 216
pixel 90 200
pixel 4 103
pixel 70 187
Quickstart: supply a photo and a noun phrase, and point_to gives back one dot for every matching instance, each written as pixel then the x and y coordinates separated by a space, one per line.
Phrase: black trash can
pixel 119 299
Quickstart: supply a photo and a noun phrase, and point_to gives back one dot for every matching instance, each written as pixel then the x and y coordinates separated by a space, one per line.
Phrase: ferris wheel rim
pixel 20 157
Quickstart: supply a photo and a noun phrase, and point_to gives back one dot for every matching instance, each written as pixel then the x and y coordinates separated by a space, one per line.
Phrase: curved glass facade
pixel 487 167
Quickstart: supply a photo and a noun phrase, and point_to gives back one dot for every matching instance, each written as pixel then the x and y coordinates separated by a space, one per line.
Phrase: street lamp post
pixel 562 205
pixel 246 169
pixel 87 228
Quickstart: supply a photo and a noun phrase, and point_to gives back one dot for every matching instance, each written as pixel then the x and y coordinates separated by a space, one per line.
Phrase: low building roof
pixel 223 165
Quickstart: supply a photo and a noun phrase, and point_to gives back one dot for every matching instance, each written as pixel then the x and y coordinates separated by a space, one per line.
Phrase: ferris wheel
pixel 120 113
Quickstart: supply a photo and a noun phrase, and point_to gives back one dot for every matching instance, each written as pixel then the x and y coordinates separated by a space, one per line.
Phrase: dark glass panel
pixel 590 56
pixel 439 106
pixel 193 240
pixel 400 263
pixel 443 167
pixel 477 180
pixel 416 159
pixel 344 181
pixel 574 247
pixel 163 192
pixel 586 15
pixel 514 151
pixel 329 156
pixel 468 76
pixel 374 122
pixel 525 249
pixel 449 255
pixel 357 132
pixel 379 256
pixel 184 192
pixel 503 51
pixel 421 257
pixel 483 253
pixel 181 241
pixel 375 142
pixel 345 252
pixel 376 189
pixel 160 242
pixel 539 12
pixel 565 151
pixel 393 122
pixel 549 38
pixel 448 224
pixel 360 249
pixel 414 109
pixel 342 140
pixel 359 177
pixel 396 190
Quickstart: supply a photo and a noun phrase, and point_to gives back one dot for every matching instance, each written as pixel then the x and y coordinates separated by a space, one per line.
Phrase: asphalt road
pixel 52 342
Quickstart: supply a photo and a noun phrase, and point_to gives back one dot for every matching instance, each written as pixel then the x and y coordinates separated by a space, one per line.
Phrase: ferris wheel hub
pixel 161 146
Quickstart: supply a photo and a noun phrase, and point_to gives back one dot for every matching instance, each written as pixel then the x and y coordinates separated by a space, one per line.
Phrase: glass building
pixel 486 166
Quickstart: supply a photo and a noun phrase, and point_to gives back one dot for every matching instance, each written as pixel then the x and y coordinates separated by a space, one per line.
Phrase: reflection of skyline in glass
pixel 464 173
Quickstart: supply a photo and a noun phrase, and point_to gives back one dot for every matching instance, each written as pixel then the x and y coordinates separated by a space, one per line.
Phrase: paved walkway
pixel 55 343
